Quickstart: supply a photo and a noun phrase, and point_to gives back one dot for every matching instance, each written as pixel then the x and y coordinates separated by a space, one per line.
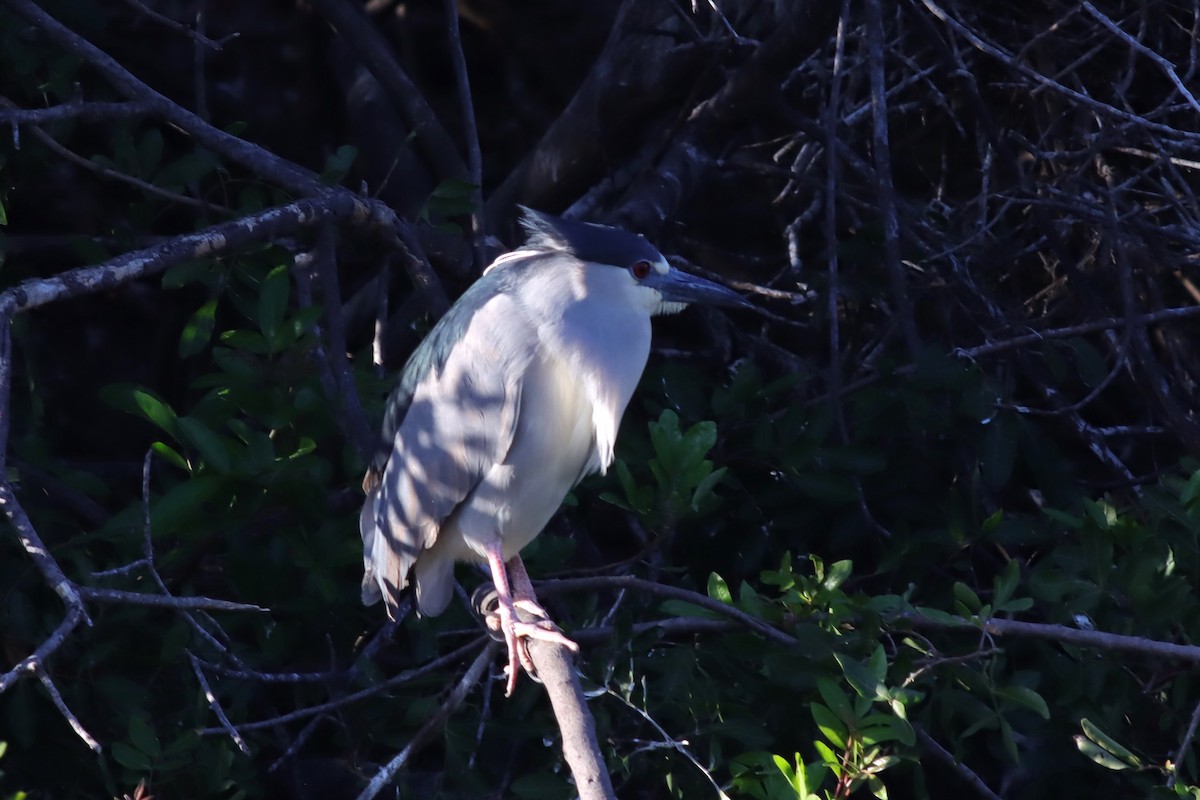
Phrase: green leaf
pixel 142 735
pixel 788 772
pixel 1004 584
pixel 832 728
pixel 210 444
pixel 130 757
pixel 966 595
pixel 250 341
pixel 451 198
pixel 829 758
pixel 878 664
pixel 937 615
pixel 180 275
pixel 718 589
pixel 1092 368
pixel 170 455
pixel 141 402
pixel 540 786
pixel 198 331
pixel 149 152
pixel 992 522
pixel 183 504
pixel 999 451
pixel 337 166
pixel 1099 754
pixel 1026 698
pixel 699 439
pixel 836 700
pixel 861 678
pixel 882 728
pixel 837 574
pixel 273 301
pixel 1109 744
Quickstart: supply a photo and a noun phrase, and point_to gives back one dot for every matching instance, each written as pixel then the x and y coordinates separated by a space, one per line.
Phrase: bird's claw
pixel 517 632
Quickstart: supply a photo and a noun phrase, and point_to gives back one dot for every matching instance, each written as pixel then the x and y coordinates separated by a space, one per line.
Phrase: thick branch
pixel 556 671
pixel 207 243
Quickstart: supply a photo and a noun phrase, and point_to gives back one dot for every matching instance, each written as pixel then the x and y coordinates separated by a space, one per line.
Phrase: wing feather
pixel 459 422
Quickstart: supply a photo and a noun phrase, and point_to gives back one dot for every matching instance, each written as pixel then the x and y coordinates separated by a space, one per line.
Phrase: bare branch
pixel 429 668
pixel 196 36
pixel 1078 97
pixel 931 745
pixel 1166 66
pixel 78 110
pixel 882 148
pixel 556 671
pixel 1096 640
pixel 31 663
pixel 347 402
pixel 470 130
pixel 215 705
pixel 207 243
pixel 163 601
pixel 112 174
pixel 61 705
pixel 561 585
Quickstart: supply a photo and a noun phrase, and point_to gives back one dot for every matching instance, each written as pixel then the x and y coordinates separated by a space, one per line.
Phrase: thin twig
pixel 348 406
pixel 1097 640
pixel 678 745
pixel 1184 746
pixel 1000 54
pixel 1166 66
pixel 404 677
pixel 456 697
pixel 32 662
pixel 962 770
pixel 163 601
pixel 886 190
pixel 215 705
pixel 195 35
pixel 61 705
pixel 470 131
pixel 549 587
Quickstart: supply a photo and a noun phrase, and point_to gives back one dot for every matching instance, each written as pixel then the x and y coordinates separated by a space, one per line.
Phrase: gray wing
pixel 459 422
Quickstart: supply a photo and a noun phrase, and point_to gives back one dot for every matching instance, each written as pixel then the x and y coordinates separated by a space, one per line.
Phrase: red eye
pixel 641 269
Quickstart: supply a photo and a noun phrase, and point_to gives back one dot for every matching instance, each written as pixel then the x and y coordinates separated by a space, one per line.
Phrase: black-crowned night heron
pixel 513 397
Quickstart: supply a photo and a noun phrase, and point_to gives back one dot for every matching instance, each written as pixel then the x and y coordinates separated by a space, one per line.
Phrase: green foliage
pixel 684 478
pixel 13 795
pixel 450 198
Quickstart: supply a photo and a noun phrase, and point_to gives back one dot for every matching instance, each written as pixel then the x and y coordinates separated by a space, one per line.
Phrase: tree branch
pixel 457 695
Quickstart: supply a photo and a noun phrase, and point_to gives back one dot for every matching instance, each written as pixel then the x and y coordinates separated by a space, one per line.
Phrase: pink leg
pixel 511 625
pixel 522 592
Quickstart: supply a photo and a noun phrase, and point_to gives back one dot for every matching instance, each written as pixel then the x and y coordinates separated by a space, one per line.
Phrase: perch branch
pixel 556 671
